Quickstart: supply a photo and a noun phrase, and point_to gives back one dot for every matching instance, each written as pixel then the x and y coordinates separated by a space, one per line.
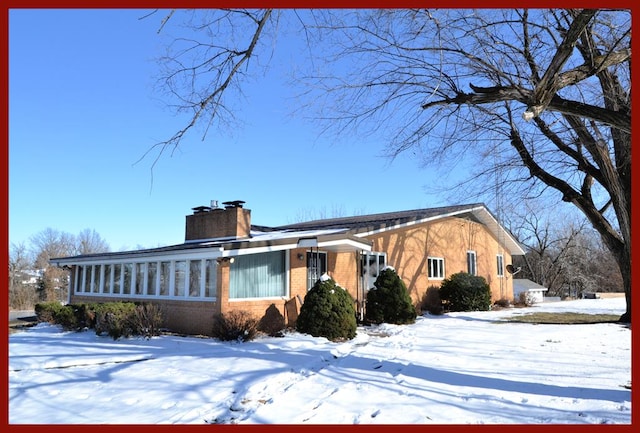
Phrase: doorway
pixel 316 266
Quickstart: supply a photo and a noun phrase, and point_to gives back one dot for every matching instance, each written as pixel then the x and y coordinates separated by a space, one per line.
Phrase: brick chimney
pixel 206 222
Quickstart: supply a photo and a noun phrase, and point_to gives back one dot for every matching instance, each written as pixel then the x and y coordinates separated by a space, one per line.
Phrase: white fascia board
pixel 143 257
pixel 257 250
pixel 350 245
pixel 514 247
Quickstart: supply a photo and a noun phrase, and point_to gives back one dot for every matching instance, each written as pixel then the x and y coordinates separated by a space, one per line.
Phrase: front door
pixel 372 264
pixel 316 266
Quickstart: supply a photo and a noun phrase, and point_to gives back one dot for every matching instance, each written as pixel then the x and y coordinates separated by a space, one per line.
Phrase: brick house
pixel 228 263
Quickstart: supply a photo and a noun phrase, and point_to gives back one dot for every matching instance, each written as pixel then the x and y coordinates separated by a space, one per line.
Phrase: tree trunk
pixel 624 262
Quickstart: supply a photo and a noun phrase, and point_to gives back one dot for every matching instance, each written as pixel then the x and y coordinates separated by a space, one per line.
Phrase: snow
pixel 458 368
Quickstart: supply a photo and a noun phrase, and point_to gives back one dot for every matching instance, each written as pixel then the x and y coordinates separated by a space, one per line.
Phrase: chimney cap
pixel 234 203
pixel 200 209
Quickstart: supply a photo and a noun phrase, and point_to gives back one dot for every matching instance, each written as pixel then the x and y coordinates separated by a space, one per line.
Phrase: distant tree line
pixel 565 255
pixel 32 279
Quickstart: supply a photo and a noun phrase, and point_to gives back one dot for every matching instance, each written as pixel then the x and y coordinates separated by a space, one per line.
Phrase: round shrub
pixel 114 319
pixel 465 292
pixel 328 311
pixel 66 318
pixel 389 300
pixel 46 311
pixel 235 325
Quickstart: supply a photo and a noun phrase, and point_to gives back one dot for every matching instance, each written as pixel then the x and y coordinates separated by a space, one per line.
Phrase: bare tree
pixel 51 243
pixel 47 244
pixel 563 253
pixel 88 241
pixel 538 100
pixel 22 294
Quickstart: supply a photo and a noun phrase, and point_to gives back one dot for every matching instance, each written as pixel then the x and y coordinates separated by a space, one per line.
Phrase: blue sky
pixel 82 111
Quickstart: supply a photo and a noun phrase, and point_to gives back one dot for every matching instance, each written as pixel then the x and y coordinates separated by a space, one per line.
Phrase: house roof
pixel 260 241
pixel 334 234
pixel 363 225
pixel 523 284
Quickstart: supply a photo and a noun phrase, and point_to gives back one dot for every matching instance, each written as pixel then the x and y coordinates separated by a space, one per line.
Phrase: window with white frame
pixel 185 279
pixel 500 265
pixel 260 275
pixel 372 264
pixel 195 277
pixel 108 279
pixel 435 268
pixel 211 278
pixel 471 262
pixel 127 270
pixel 152 278
pixel 117 278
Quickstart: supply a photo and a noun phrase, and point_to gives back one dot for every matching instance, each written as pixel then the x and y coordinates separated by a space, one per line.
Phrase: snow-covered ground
pixel 459 368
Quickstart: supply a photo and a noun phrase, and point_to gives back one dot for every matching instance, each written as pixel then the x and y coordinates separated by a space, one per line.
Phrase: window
pixel 165 278
pixel 185 279
pixel 211 278
pixel 95 278
pixel 436 268
pixel 108 276
pixel 372 263
pixel 127 270
pixel 500 265
pixel 86 285
pixel 258 276
pixel 195 276
pixel 152 276
pixel 180 278
pixel 471 262
pixel 117 278
pixel 141 269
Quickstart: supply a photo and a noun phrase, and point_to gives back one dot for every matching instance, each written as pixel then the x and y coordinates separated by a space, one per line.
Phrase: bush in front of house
pixel 465 292
pixel 46 311
pixel 114 319
pixel 327 311
pixel 503 303
pixel 146 320
pixel 389 301
pixel 55 313
pixel 85 315
pixel 431 301
pixel 235 325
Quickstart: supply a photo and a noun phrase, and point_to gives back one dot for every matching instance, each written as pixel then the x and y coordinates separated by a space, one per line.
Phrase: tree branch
pixel 488 95
pixel 547 87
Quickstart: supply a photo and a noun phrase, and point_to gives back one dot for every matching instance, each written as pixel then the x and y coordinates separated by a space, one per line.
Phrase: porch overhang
pixel 342 243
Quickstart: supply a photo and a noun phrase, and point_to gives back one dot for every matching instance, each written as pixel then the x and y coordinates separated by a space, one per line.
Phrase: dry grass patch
pixel 565 318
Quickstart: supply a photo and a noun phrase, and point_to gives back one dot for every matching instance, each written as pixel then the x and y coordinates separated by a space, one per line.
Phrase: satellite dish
pixel 513 270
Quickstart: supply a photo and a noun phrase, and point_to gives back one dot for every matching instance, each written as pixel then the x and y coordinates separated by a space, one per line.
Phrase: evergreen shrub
pixel 114 319
pixel 66 318
pixel 389 300
pixel 465 292
pixel 46 311
pixel 327 311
